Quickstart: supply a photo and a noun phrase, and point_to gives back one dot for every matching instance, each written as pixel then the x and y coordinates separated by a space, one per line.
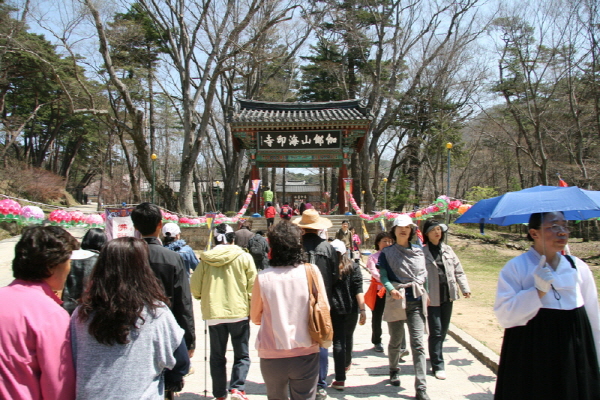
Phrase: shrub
pixel 35 184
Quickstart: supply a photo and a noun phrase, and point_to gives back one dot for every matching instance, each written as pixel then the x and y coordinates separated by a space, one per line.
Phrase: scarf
pixel 407 264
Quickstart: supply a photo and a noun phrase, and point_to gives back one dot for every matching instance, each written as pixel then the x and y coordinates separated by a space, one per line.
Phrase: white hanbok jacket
pixel 517 299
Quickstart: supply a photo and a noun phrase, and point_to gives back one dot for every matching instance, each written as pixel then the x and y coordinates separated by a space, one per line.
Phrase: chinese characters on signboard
pixel 118 222
pixel 299 140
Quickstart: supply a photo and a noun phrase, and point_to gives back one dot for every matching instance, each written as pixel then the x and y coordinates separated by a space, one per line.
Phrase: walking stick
pixel 205 361
pixel 210 218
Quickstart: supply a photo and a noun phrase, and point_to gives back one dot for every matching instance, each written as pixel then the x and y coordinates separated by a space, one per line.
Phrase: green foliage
pixel 477 193
pixel 400 194
pixel 322 78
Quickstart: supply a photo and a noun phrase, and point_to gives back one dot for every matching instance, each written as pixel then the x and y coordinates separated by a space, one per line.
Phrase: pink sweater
pixel 35 344
pixel 280 307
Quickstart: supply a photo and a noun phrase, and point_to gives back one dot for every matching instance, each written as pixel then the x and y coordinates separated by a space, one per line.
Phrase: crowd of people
pixel 114 319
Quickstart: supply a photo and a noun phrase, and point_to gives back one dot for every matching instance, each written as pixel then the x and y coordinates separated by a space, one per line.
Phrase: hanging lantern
pixel 463 208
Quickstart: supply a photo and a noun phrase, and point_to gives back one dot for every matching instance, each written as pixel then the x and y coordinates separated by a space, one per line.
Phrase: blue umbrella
pixel 516 207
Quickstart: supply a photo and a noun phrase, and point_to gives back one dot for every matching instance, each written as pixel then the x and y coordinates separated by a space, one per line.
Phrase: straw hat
pixel 310 219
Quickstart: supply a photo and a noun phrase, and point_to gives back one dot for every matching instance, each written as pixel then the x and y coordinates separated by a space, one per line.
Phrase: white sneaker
pixel 441 374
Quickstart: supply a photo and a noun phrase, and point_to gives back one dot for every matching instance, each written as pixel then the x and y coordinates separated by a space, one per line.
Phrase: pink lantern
pixel 94 220
pixel 77 217
pixel 10 208
pixel 60 217
pixel 412 214
pixel 454 204
pixel 32 212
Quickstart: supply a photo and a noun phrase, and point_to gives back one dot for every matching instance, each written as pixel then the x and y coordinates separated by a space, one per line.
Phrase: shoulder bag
pixel 320 327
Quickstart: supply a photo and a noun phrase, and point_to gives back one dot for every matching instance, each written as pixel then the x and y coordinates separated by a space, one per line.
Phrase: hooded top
pixel 186 252
pixel 223 282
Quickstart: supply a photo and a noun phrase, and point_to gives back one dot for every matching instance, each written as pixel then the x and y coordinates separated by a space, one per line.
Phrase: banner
pixel 119 223
pixel 255 185
pixel 210 217
pixel 348 185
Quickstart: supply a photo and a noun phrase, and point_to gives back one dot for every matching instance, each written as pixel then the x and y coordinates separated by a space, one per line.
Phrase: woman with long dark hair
pixel 125 338
pixel 548 305
pixel 289 358
pixel 347 306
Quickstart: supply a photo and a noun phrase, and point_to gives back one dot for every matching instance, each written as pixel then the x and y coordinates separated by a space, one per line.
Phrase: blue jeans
pixel 438 319
pixel 416 332
pixel 323 367
pixel 240 336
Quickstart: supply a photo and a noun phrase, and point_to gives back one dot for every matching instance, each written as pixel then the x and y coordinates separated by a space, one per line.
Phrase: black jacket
pixel 324 256
pixel 345 291
pixel 77 280
pixel 170 270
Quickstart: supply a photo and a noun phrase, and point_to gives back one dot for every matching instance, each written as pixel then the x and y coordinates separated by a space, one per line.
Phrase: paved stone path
pixel 468 378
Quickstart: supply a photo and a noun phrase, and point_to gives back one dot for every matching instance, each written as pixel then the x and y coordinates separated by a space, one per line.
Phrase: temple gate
pixel 300 135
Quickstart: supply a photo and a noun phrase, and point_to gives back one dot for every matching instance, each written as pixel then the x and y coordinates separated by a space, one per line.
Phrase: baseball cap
pixel 403 220
pixel 339 246
pixel 171 228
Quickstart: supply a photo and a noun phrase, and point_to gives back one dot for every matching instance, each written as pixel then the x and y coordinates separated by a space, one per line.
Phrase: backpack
pixel 286 212
pixel 325 258
pixel 255 248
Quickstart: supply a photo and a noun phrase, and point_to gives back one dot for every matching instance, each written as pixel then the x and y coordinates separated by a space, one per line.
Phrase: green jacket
pixel 223 282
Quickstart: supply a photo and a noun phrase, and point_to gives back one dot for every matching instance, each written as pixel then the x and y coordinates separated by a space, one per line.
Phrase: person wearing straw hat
pixel 324 256
pixel 403 273
pixel 548 305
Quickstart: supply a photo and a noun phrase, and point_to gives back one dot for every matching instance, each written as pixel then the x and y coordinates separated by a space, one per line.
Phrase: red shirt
pixel 270 212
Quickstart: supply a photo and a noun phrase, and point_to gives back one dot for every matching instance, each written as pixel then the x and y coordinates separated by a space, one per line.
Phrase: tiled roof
pixel 346 111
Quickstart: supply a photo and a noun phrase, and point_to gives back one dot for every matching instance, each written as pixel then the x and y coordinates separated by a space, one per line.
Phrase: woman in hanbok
pixel 548 305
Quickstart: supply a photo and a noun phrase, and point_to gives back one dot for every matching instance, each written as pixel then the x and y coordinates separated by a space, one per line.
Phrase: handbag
pixel 320 327
pixel 371 295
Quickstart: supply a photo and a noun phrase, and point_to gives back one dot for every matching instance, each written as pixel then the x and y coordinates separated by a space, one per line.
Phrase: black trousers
pixel 343 332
